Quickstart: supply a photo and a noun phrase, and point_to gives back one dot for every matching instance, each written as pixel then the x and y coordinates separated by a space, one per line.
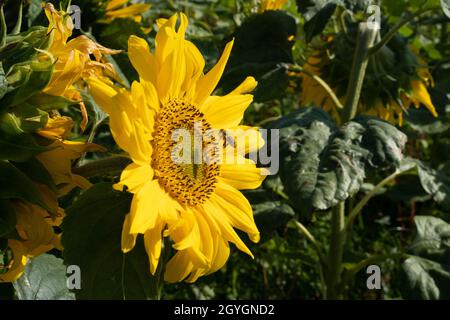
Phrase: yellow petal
pixel 178 268
pixel 248 85
pixel 113 4
pixel 173 72
pixel 227 111
pixel 237 209
pixel 243 175
pixel 144 209
pixel 102 93
pixel 129 11
pixel 246 139
pixel 221 254
pixel 134 177
pixel 128 239
pixel 220 218
pixel 145 112
pixel 421 95
pixel 208 82
pixel 142 59
pixel 153 244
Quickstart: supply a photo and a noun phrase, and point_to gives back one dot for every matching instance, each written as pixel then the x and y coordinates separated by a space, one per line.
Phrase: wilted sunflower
pixel 35 233
pixel 266 5
pixel 73 58
pixel 35 225
pixel 196 205
pixel 58 160
pixel 396 79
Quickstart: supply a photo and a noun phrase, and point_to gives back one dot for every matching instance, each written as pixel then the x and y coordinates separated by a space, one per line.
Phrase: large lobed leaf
pixel 322 165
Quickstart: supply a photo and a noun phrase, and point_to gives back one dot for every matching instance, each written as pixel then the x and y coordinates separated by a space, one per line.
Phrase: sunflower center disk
pixel 179 146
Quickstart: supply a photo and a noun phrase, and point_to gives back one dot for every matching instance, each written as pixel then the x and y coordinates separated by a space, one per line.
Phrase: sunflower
pixel 35 225
pixel 196 205
pixel 73 59
pixel 35 233
pixel 266 5
pixel 381 97
pixel 120 9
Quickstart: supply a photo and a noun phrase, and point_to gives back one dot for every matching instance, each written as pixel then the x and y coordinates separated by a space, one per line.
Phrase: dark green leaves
pixel 322 165
pixel 317 24
pixel 428 270
pixel 270 213
pixel 384 141
pixel 44 279
pixel 261 49
pixel 14 184
pixel 91 240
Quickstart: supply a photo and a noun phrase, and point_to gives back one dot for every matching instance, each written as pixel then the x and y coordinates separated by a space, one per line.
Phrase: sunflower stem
pixel 108 166
pixel 336 252
pixel 365 40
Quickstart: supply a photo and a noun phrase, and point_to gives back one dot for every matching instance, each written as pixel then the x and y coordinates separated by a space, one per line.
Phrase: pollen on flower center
pixel 190 183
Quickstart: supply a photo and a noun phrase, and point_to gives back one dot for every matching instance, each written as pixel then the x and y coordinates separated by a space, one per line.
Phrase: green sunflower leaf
pixel 435 182
pixel 322 165
pixel 92 240
pixel 428 270
pixel 44 279
pixel 26 81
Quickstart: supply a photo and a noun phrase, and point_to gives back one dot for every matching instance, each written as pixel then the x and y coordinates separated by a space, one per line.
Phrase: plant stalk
pixel 113 165
pixel 336 252
pixel 365 40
